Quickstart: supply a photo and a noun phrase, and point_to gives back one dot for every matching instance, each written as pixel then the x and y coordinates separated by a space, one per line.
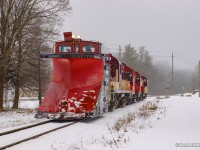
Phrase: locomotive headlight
pixel 73 36
pixel 78 36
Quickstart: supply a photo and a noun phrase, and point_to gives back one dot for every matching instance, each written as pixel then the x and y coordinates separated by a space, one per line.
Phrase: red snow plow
pixel 85 82
pixel 77 79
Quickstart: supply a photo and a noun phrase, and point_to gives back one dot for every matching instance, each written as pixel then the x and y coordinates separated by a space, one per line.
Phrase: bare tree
pixel 23 23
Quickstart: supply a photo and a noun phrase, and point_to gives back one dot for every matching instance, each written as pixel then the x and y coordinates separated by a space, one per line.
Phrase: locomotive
pixel 88 83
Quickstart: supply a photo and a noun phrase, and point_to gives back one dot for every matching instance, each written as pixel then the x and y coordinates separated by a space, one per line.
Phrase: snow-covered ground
pixel 15 118
pixel 166 123
pixel 25 103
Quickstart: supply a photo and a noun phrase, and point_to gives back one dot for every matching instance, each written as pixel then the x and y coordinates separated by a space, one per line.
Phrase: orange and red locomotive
pixel 87 83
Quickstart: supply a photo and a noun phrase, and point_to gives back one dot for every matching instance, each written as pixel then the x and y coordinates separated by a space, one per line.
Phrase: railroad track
pixel 24 128
pixel 8 135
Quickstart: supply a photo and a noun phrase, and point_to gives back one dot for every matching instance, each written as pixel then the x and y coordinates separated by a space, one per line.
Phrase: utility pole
pixel 172 73
pixel 120 52
pixel 199 78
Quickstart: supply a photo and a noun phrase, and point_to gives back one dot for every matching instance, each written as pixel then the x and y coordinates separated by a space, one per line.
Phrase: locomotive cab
pixel 73 45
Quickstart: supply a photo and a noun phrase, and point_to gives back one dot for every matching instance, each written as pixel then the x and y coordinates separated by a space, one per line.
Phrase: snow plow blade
pixel 79 80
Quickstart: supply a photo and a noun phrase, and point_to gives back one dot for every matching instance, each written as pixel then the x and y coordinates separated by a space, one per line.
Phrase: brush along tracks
pixel 20 135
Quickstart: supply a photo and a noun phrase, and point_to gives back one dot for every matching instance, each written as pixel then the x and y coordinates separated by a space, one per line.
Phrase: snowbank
pixel 174 123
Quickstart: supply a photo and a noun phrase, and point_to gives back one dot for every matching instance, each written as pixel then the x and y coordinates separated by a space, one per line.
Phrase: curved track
pixel 20 135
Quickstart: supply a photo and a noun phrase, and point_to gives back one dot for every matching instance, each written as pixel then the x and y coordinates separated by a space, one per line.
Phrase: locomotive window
pixel 137 80
pixel 145 82
pixel 88 48
pixel 128 76
pixel 99 48
pixel 65 49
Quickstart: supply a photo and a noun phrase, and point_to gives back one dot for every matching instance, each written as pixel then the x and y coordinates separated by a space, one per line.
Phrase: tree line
pixel 159 74
pixel 27 27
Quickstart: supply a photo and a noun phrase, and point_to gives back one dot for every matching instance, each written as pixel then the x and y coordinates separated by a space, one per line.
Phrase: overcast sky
pixel 162 26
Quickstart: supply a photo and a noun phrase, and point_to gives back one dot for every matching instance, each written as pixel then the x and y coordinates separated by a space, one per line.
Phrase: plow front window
pixel 88 48
pixel 65 49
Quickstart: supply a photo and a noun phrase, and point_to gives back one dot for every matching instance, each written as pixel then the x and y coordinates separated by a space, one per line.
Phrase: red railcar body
pixel 143 87
pixel 128 74
pixel 137 82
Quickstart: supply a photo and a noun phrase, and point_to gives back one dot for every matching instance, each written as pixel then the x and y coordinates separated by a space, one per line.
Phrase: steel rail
pixel 35 136
pixel 25 127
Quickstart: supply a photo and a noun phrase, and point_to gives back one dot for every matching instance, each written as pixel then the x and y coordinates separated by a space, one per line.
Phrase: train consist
pixel 88 83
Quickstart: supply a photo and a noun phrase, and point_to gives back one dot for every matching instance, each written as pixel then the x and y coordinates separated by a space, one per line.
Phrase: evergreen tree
pixel 130 56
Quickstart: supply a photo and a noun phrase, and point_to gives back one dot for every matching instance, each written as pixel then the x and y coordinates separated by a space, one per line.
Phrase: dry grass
pixel 119 124
pixel 133 121
pixel 114 142
pixel 143 113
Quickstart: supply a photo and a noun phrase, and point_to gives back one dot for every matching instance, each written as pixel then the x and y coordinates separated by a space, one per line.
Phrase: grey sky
pixel 162 26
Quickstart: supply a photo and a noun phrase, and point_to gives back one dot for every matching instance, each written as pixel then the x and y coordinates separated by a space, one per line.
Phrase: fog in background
pixel 162 26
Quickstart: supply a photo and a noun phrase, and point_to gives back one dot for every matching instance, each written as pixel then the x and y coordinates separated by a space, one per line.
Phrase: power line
pixel 180 57
pixel 186 60
pixel 159 56
pixel 110 44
